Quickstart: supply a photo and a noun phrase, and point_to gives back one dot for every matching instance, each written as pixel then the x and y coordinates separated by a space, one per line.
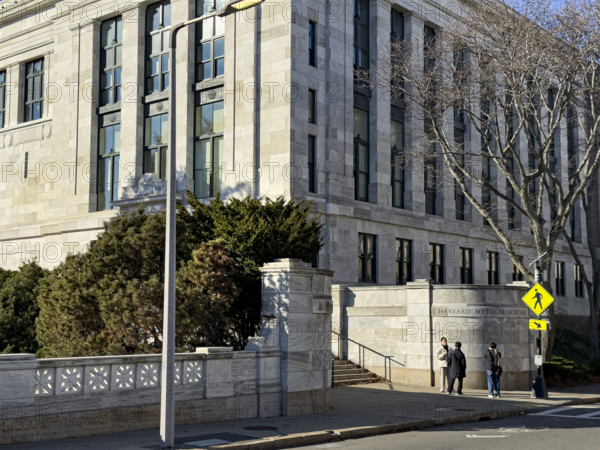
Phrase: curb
pixel 322 437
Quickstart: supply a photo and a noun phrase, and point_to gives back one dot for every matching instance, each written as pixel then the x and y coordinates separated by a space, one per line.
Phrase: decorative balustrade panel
pixel 83 376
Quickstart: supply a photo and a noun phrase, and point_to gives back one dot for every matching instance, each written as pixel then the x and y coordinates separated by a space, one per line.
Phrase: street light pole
pixel 167 400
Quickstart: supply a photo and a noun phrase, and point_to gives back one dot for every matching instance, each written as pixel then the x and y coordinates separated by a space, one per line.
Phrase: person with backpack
pixel 492 358
pixel 457 363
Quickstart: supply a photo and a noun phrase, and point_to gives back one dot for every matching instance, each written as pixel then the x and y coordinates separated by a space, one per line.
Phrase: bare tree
pixel 518 74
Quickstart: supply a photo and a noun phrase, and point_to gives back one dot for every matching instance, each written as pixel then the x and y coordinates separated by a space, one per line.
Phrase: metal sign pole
pixel 539 390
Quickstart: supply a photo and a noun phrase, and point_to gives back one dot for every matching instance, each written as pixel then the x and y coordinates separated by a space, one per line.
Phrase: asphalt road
pixel 573 428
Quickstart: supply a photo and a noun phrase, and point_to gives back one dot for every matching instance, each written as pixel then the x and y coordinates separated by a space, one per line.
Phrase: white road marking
pixel 551 412
pixel 522 429
pixel 556 412
pixel 477 436
pixel 590 415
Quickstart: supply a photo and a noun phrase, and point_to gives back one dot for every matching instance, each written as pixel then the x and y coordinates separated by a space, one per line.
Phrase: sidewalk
pixel 356 411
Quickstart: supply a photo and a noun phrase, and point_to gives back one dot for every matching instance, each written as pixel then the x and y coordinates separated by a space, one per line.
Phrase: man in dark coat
pixel 457 363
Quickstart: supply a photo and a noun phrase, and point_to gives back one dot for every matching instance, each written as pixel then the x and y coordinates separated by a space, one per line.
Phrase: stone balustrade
pixel 286 370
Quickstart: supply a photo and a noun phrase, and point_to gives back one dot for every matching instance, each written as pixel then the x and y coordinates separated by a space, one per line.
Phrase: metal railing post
pixel 387 359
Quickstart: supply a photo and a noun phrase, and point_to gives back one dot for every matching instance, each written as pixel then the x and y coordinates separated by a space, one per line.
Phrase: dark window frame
pixel 430 179
pixel 367 260
pixel 436 263
pixel 210 42
pixel 312 106
pixel 361 48
pixel 579 292
pixel 156 150
pixel 404 261
pixel 160 33
pixel 211 168
pixel 430 166
pixel 492 263
pixel 111 73
pixel 516 273
pixel 312 163
pixel 108 184
pixel 398 167
pixel 460 199
pixel 559 278
pixel 396 25
pixel 362 174
pixel 312 43
pixel 465 264
pixel 34 90
pixel 460 130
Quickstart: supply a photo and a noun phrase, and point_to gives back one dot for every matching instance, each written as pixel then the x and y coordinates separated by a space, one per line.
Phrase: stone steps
pixel 346 372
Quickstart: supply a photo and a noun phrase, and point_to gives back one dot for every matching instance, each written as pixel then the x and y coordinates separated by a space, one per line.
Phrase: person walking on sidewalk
pixel 457 365
pixel 442 356
pixel 492 358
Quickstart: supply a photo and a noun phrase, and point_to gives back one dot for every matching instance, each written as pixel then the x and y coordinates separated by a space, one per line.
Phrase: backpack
pixel 497 371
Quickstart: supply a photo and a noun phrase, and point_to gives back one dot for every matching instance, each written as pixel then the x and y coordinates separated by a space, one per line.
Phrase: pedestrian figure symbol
pixel 538 300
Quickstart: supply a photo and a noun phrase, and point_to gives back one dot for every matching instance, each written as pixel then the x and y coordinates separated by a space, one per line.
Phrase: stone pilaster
pixel 414 137
pixel 132 109
pixel 16 377
pixel 299 299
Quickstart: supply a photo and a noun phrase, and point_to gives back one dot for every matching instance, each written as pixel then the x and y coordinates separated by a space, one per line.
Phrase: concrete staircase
pixel 345 372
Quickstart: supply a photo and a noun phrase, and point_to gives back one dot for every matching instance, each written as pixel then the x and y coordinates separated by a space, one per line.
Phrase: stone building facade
pixel 266 106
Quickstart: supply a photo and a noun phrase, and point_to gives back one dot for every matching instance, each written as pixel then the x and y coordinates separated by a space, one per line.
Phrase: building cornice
pixel 11 10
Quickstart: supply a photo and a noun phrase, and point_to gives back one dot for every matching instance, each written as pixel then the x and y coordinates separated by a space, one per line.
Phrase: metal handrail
pixel 387 359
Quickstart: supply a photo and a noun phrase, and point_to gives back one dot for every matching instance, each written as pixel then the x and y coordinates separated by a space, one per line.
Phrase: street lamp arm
pixel 231 8
pixel 537 259
pixel 173 37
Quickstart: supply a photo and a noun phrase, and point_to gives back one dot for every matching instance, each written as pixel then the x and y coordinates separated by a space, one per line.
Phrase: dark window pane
pixel 119 34
pixel 163 163
pixel 154 17
pixel 206 51
pixel 206 70
pixel 107 79
pixel 202 164
pixel 219 67
pixel 219 47
pixel 165 41
pixel 103 187
pixel 167 15
pixel 150 163
pixel 115 180
pixel 107 33
pixel 37 111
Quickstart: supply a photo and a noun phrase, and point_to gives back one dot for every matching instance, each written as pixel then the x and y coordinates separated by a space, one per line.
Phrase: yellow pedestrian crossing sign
pixel 538 299
pixel 538 324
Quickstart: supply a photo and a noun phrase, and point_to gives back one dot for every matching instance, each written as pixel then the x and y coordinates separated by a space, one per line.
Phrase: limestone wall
pixel 407 323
